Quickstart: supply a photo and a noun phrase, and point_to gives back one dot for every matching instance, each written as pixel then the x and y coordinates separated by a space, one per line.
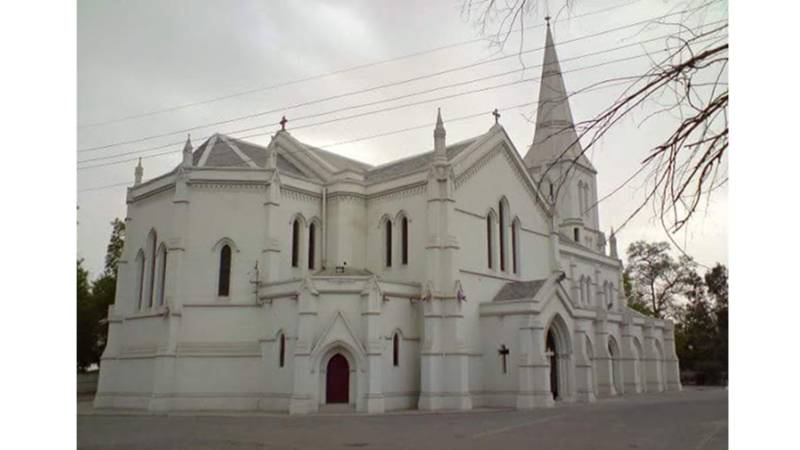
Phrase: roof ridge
pixel 416 155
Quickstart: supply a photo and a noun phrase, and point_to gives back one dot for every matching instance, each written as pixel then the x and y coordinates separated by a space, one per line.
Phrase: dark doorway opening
pixel 337 383
pixel 551 350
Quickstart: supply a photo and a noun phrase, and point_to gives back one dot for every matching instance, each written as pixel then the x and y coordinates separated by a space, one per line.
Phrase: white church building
pixel 286 278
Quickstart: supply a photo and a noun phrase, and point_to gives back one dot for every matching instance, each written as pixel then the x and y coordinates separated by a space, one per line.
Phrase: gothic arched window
pixel 311 244
pixel 489 243
pixel 141 268
pixel 151 292
pixel 502 221
pixel 162 275
pixel 589 290
pixel 295 243
pixel 396 350
pixel 281 350
pixel 388 236
pixel 224 285
pixel 515 247
pixel 404 240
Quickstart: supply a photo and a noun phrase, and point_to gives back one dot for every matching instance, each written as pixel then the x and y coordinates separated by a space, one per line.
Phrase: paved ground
pixel 693 419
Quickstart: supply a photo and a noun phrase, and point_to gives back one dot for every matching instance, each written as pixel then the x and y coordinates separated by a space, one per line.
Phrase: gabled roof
pixel 555 127
pixel 414 163
pixel 518 290
pixel 225 152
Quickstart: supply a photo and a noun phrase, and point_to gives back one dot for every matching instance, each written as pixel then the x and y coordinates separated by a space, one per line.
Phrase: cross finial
pixel 496 115
pixel 547 19
pixel 283 123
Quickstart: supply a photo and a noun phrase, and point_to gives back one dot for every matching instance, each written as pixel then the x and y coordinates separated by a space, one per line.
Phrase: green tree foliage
pixel 701 336
pixel 94 300
pixel 656 278
pixel 84 317
pixel 114 248
pixel 658 285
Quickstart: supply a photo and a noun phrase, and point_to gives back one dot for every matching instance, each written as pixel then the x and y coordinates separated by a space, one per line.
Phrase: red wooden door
pixel 337 385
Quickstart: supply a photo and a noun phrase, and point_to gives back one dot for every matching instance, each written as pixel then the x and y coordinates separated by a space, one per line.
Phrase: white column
pixel 652 360
pixel 603 361
pixel 534 369
pixel 672 370
pixel 584 385
pixel 302 400
pixel 372 303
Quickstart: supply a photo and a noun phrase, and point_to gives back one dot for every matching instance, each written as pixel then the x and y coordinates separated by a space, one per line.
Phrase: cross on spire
pixel 283 123
pixel 496 115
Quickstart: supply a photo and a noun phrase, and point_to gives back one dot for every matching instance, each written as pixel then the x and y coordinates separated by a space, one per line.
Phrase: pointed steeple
pixel 187 152
pixel 555 128
pixel 439 134
pixel 138 173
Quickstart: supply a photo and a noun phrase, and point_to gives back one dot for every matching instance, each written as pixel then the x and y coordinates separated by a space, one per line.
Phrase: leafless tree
pixel 689 83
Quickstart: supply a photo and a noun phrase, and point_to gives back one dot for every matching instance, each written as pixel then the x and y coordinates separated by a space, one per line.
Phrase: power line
pixel 426 91
pixel 329 74
pixel 368 113
pixel 392 84
pixel 591 88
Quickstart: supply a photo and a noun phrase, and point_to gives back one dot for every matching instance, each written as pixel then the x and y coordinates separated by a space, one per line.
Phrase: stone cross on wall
pixel 504 351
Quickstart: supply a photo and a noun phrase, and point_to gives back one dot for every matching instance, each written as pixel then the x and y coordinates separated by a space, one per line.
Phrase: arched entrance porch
pixel 558 350
pixel 338 377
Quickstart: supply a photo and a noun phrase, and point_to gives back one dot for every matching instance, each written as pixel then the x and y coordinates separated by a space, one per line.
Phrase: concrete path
pixel 693 419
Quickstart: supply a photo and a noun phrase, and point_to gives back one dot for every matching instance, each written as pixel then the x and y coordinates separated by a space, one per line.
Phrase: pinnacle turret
pixel 138 173
pixel 439 134
pixel 612 244
pixel 187 152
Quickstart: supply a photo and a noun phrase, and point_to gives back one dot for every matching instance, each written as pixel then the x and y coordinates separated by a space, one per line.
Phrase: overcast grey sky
pixel 136 57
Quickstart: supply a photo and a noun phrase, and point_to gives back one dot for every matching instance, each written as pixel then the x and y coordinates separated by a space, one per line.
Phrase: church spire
pixel 138 172
pixel 439 147
pixel 555 128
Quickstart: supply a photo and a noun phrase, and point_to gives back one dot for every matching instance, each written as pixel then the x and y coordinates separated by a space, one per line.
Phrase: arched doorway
pixel 337 381
pixel 613 354
pixel 558 350
pixel 553 358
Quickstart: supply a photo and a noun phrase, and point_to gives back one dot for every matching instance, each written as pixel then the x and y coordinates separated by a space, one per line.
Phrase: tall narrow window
pixel 489 226
pixel 388 243
pixel 404 238
pixel 224 287
pixel 576 234
pixel 282 350
pixel 142 265
pixel 396 350
pixel 151 293
pixel 552 195
pixel 311 243
pixel 295 243
pixel 502 221
pixel 162 276
pixel 589 290
pixel 514 266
